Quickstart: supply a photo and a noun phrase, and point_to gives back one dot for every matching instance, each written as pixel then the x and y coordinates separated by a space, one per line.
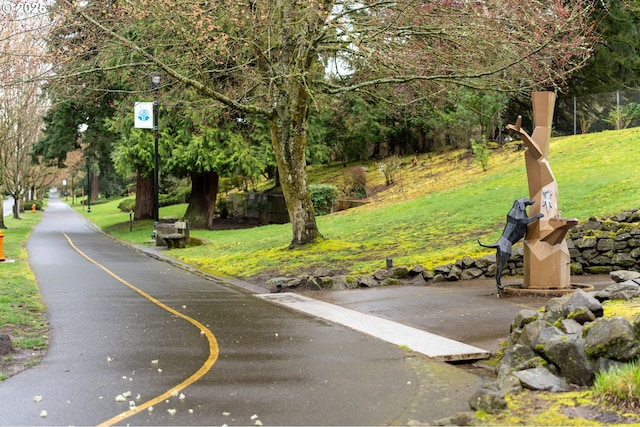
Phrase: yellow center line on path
pixel 213 346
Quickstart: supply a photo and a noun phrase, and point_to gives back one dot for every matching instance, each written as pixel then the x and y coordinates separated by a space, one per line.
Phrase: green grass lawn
pixel 22 315
pixel 431 215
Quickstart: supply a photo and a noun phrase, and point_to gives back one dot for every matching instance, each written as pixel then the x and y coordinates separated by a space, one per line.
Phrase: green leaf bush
pixel 324 197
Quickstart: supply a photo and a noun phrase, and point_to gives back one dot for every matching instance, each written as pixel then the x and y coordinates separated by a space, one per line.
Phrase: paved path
pixel 466 311
pixel 124 322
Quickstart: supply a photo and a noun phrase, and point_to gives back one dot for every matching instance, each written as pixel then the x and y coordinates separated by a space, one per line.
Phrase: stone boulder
pixel 623 290
pixel 471 273
pixel 579 299
pixel 570 326
pixel 541 379
pixel 516 358
pixel 581 315
pixel 391 282
pixel 417 269
pixel 567 353
pixel 382 274
pixel 554 310
pixel 611 338
pixel 528 334
pixel 454 274
pixel 279 284
pixel 603 364
pixel 524 317
pixel 399 272
pixel 489 401
pixel 545 335
pixel 417 280
pixel 367 282
pixel 623 275
pixel 341 282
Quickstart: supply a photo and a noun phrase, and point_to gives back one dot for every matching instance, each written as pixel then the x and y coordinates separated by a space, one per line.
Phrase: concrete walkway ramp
pixel 433 346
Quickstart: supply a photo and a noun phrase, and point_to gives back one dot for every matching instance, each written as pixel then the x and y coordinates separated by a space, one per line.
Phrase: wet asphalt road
pixel 273 365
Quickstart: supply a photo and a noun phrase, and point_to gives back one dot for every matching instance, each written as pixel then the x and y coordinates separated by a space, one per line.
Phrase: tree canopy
pixel 275 58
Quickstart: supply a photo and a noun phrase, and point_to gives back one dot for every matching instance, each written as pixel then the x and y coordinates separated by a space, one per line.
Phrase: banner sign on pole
pixel 143 115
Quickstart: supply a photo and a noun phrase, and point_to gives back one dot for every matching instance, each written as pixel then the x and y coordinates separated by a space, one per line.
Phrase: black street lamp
pixel 88 186
pixel 156 78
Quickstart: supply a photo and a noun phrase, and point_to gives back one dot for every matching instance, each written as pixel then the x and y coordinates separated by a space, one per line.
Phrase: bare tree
pixel 22 104
pixel 271 57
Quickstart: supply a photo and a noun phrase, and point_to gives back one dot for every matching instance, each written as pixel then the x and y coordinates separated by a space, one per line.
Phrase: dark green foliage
pixel 181 195
pixel 615 63
pixel 127 205
pixel 350 128
pixel 324 197
pixel 223 207
pixel 61 133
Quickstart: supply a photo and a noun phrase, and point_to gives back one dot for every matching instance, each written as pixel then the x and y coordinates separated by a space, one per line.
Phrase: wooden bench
pixel 173 235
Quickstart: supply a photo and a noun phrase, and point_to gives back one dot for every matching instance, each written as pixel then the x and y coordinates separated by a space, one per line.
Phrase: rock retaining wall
pixel 597 246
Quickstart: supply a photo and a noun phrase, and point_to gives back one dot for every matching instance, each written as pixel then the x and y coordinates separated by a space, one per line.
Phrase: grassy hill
pixel 432 214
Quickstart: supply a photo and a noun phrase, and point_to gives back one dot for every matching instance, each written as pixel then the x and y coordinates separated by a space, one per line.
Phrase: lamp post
pixel 88 186
pixel 73 192
pixel 156 78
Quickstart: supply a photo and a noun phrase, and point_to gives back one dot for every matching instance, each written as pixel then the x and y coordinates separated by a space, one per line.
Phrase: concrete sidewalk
pixel 449 321
pixel 435 347
pixel 465 311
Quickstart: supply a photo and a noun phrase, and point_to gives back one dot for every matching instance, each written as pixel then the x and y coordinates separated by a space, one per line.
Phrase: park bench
pixel 173 234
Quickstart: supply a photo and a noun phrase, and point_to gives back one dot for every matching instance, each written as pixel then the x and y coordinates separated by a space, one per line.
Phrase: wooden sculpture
pixel 546 255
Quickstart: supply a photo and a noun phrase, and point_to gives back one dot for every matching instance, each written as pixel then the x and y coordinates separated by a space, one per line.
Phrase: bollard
pixel 2 258
pixel 33 208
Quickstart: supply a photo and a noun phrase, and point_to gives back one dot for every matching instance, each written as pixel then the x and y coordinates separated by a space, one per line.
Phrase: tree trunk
pixel 421 143
pixel 144 198
pixel 17 203
pixel 202 205
pixel 2 210
pixel 94 186
pixel 289 139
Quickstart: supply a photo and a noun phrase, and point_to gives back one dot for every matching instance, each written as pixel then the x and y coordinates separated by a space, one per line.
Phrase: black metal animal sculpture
pixel 514 230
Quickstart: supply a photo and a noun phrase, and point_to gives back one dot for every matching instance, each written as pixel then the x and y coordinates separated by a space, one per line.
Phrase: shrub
pixel 180 195
pixel 480 151
pixel 622 118
pixel 355 182
pixel 223 206
pixel 127 205
pixel 389 168
pixel 324 197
